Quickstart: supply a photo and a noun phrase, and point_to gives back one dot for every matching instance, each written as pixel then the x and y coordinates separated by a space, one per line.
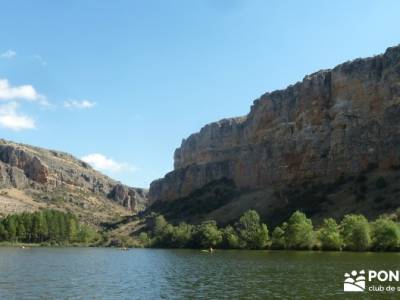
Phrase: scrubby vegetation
pixel 353 233
pixel 46 227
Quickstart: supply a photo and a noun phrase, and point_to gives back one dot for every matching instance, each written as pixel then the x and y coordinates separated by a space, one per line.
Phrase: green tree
pixel 278 238
pixel 72 229
pixel 356 233
pixel 251 231
pixel 53 225
pixel 144 239
pixel 230 239
pixel 87 235
pixel 44 226
pixel 162 232
pixel 385 235
pixel 207 235
pixel 11 228
pixel 181 235
pixel 21 231
pixel 299 233
pixel 3 233
pixel 160 225
pixel 27 221
pixel 329 235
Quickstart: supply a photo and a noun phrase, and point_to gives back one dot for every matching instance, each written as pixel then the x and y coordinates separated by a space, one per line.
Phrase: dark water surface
pixel 96 273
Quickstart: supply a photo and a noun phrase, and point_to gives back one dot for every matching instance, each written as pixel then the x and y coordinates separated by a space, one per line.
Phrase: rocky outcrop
pixel 134 199
pixel 31 165
pixel 28 167
pixel 333 122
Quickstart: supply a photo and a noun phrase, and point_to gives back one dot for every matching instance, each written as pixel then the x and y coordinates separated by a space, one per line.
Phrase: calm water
pixel 85 273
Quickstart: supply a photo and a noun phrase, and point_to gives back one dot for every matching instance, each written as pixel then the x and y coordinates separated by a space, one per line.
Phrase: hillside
pixel 321 145
pixel 33 178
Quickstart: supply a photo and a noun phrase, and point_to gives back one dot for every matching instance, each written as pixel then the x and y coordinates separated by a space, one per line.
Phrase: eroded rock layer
pixel 43 171
pixel 333 122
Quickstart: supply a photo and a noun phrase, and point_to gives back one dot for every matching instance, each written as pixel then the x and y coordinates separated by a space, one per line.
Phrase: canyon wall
pixel 44 171
pixel 334 122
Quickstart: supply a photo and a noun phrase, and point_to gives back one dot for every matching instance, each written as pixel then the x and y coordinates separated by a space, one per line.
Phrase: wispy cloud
pixel 10 118
pixel 8 54
pixel 40 60
pixel 79 104
pixel 103 163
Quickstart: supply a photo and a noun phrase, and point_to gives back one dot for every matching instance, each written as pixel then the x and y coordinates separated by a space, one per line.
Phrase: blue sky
pixel 121 83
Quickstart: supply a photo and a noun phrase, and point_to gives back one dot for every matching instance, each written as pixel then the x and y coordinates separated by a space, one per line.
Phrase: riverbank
pixel 43 245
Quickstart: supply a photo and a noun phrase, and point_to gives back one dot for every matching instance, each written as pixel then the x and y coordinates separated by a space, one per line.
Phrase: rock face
pixel 334 122
pixel 42 170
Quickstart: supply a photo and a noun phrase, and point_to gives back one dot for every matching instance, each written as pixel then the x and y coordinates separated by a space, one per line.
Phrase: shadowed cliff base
pixel 371 192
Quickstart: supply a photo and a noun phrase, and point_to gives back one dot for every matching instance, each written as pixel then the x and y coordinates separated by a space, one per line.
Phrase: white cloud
pixel 8 54
pixel 79 104
pixel 10 118
pixel 25 92
pixel 103 163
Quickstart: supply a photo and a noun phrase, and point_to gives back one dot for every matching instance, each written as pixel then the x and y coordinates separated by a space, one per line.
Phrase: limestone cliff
pixel 334 122
pixel 56 179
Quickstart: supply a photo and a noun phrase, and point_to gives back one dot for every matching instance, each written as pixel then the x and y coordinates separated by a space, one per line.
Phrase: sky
pixel 119 84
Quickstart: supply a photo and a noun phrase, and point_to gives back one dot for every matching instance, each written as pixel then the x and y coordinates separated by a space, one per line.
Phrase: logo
pixel 354 282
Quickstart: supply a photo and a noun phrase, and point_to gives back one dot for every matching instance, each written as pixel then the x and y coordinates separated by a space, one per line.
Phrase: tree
pixel 356 232
pixel 278 238
pixel 40 230
pixel 3 232
pixel 87 235
pixel 251 231
pixel 159 225
pixel 162 232
pixel 21 231
pixel 144 239
pixel 230 239
pixel 181 235
pixel 11 228
pixel 44 226
pixel 207 235
pixel 72 229
pixel 385 235
pixel 27 221
pixel 329 235
pixel 299 233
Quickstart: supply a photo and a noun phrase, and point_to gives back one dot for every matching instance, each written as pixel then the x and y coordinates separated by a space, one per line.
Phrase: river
pixel 102 273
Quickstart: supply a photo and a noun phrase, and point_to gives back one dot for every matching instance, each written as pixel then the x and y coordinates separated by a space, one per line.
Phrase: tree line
pixel 46 226
pixel 353 233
